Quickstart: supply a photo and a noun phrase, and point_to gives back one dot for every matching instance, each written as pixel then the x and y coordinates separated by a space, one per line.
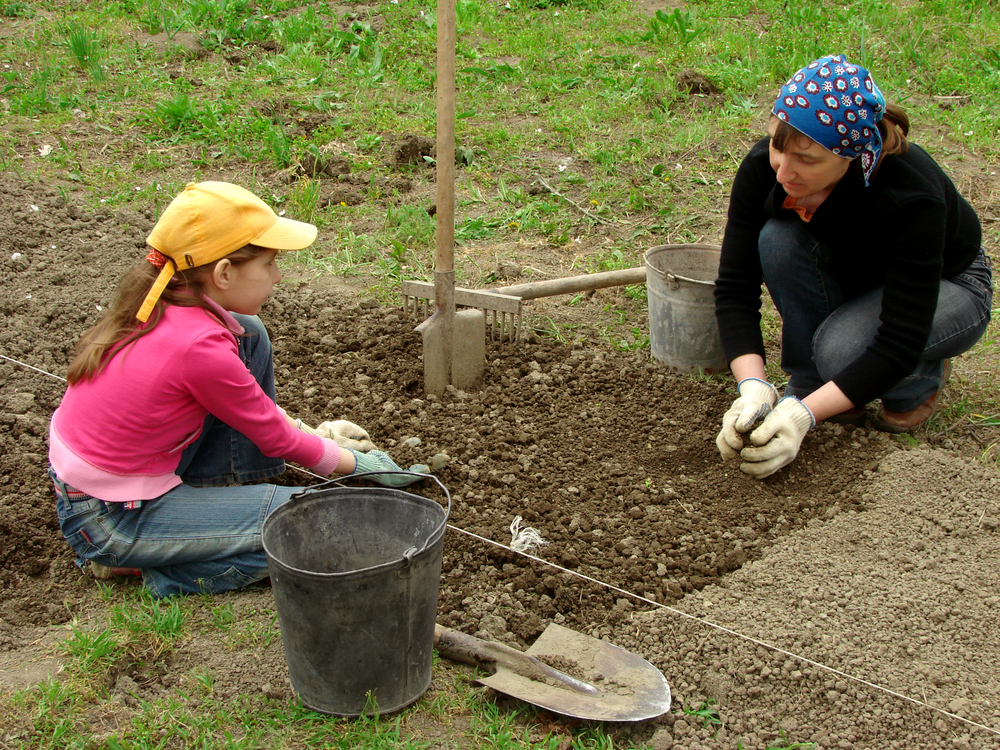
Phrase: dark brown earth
pixel 864 557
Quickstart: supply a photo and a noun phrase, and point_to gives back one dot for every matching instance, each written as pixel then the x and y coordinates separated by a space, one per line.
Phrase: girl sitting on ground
pixel 170 415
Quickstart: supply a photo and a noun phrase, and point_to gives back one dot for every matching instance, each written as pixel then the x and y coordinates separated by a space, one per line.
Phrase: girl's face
pixel 250 283
pixel 805 168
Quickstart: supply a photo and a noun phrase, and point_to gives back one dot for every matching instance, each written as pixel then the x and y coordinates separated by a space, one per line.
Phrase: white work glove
pixel 379 461
pixel 776 442
pixel 757 397
pixel 343 433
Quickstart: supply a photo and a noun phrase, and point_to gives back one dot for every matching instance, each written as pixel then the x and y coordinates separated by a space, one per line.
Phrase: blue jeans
pixel 201 536
pixel 822 331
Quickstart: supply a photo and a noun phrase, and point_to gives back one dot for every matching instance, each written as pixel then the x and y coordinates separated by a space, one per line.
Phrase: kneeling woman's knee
pixel 781 241
pixel 835 345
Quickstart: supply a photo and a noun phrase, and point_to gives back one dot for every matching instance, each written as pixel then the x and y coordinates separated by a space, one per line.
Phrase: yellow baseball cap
pixel 209 220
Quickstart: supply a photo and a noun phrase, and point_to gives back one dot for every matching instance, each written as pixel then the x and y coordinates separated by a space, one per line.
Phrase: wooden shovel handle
pixel 458 646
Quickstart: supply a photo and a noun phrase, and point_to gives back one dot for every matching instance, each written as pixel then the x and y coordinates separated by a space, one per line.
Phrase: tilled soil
pixel 778 599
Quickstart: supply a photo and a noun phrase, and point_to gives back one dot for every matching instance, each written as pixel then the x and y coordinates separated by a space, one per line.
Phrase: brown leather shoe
pixel 898 422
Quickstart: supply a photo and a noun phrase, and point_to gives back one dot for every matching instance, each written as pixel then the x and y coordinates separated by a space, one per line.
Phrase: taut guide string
pixel 672 610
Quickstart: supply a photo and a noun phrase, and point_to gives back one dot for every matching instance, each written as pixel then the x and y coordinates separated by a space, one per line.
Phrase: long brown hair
pixel 119 326
pixel 894 128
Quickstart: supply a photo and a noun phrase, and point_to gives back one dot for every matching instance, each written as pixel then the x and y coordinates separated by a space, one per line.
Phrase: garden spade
pixel 567 673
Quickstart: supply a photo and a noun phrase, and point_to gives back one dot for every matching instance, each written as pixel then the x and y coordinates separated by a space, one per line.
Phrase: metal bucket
pixel 355 574
pixel 680 289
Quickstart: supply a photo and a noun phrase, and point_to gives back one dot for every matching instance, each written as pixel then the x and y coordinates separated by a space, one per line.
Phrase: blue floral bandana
pixel 837 104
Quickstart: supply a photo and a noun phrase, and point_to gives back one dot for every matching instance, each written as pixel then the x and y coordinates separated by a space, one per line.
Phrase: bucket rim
pixel 667 273
pixel 307 493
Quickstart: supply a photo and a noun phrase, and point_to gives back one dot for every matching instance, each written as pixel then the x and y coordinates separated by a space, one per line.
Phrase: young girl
pixel 171 406
pixel 871 256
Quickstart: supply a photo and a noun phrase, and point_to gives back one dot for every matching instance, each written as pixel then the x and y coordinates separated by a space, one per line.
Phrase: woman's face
pixel 805 168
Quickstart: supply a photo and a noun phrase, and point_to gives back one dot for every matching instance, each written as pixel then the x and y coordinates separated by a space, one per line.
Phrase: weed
pixel 786 745
pixel 16 10
pixel 277 141
pixel 92 650
pixel 303 200
pixel 706 712
pixel 85 47
pixel 683 24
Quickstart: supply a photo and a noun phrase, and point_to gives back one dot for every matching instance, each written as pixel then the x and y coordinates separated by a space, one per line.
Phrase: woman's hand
pixel 776 442
pixel 756 399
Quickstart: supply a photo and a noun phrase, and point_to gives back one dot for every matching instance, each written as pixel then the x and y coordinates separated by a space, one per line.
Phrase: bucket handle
pixel 412 551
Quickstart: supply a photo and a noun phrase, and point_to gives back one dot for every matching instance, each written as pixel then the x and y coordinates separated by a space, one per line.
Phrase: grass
pixel 94 702
pixel 582 142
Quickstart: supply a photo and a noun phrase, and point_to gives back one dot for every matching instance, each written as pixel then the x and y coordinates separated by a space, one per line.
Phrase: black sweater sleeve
pixel 738 286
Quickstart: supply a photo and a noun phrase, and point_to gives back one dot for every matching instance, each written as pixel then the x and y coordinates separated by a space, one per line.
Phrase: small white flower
pixel 538 130
pixel 970 132
pixel 680 166
pixel 33 207
pixel 281 212
pixel 15 256
pixel 104 200
pixel 562 167
pixel 28 297
pixel 45 150
pixel 137 188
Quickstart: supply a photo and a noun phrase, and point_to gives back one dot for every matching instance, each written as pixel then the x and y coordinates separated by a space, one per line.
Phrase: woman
pixel 871 256
pixel 161 443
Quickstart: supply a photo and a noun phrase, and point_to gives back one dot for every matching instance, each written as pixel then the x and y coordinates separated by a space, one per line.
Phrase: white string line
pixel 724 629
pixel 32 368
pixel 672 610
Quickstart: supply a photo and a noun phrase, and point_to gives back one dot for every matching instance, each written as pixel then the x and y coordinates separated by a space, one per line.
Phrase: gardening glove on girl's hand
pixel 343 433
pixel 757 398
pixel 776 442
pixel 379 461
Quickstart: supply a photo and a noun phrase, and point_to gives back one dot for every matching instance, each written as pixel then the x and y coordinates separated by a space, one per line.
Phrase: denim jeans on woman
pixel 201 536
pixel 822 332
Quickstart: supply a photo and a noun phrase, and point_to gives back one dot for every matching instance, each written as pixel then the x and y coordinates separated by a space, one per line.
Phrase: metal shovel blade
pixel 566 672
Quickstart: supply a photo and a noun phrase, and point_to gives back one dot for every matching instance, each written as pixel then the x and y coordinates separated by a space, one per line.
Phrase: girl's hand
pixel 378 461
pixel 343 433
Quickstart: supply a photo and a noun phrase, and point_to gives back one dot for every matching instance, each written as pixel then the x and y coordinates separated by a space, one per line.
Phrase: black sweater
pixel 906 231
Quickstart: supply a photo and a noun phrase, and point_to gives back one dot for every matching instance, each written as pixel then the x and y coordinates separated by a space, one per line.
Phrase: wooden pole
pixel 444 258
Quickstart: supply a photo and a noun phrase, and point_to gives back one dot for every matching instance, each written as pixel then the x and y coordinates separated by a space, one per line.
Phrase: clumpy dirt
pixel 796 603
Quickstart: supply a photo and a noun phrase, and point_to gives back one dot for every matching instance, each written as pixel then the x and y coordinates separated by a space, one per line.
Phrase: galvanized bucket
pixel 680 289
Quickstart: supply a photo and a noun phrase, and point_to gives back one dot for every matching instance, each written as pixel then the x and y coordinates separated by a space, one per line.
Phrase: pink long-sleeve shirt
pixel 119 436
